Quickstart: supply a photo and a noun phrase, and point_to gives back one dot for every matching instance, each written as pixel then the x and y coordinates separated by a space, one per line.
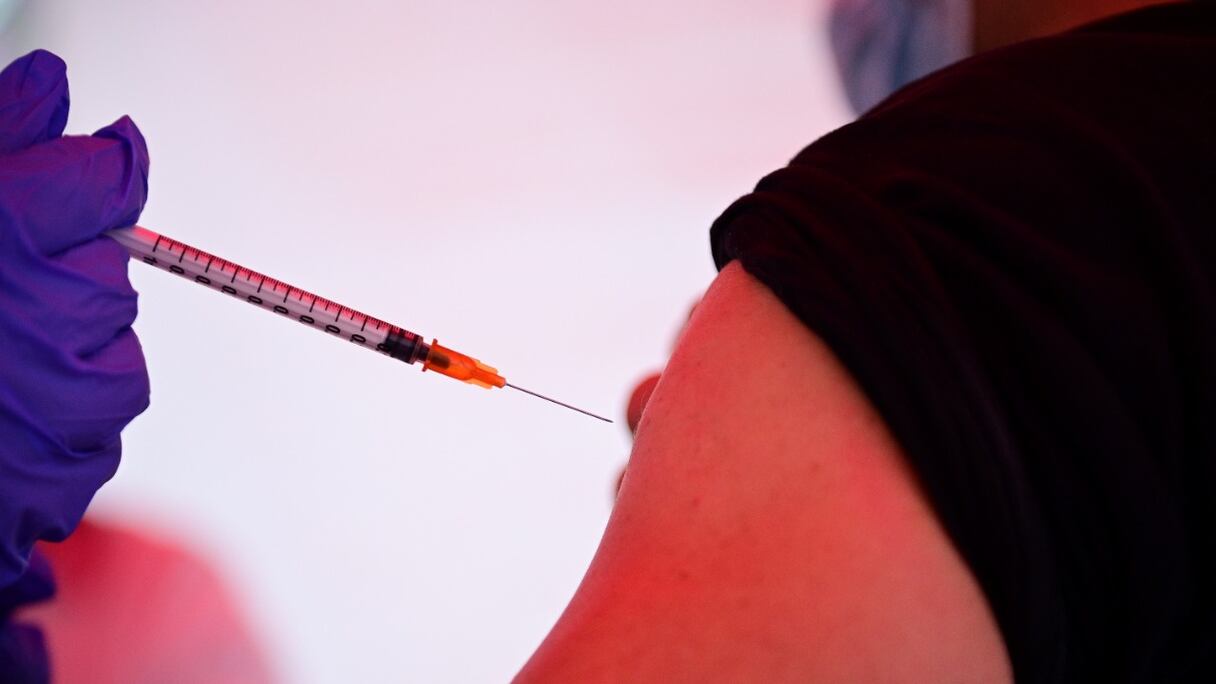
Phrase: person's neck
pixel 1003 22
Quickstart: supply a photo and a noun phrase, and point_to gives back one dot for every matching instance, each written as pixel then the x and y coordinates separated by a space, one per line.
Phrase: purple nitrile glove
pixel 23 656
pixel 72 373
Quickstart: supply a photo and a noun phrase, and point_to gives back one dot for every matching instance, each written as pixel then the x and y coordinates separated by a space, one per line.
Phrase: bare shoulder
pixel 768 529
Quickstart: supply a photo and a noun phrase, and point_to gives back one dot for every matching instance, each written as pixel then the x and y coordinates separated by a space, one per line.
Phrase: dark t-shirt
pixel 1015 260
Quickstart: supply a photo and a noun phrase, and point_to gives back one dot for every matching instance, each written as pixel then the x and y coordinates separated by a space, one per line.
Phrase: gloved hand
pixel 72 373
pixel 23 656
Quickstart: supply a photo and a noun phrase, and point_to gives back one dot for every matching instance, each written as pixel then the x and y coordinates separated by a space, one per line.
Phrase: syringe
pixel 318 313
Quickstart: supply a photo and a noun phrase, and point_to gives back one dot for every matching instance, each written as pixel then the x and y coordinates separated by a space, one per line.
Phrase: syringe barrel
pixel 406 346
pixel 271 294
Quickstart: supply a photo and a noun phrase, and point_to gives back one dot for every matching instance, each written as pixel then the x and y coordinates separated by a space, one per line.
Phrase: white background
pixel 532 182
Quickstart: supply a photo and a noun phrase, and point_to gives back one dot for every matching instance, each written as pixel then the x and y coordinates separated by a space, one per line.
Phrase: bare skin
pixel 768 531
pixel 773 531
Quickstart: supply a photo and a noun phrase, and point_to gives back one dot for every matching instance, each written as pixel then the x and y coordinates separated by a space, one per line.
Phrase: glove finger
pixel 72 304
pixel 61 418
pixel 48 488
pixel 33 101
pixel 70 190
pixel 81 375
pixel 35 585
pixel 73 406
pixel 96 300
pixel 23 654
pixel 116 377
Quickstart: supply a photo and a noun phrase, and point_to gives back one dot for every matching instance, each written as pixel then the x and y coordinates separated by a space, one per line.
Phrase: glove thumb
pixel 33 101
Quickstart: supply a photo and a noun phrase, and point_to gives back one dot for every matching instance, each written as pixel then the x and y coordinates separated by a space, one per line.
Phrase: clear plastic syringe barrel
pixel 273 295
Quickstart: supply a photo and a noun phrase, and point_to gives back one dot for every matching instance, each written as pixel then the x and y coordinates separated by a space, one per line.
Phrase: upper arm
pixel 769 529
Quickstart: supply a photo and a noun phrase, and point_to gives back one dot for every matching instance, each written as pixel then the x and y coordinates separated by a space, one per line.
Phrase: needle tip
pixel 559 403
